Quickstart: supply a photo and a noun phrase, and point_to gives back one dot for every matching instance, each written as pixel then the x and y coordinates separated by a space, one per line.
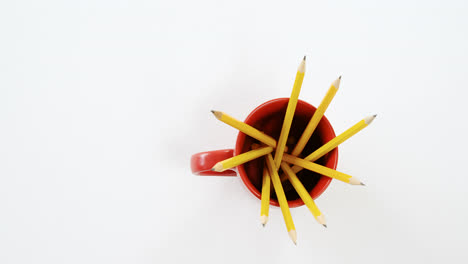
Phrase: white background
pixel 102 103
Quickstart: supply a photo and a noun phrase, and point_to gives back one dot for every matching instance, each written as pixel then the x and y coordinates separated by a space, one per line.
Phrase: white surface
pixel 102 104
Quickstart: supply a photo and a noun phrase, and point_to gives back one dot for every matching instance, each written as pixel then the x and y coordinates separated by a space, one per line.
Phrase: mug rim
pixel 323 182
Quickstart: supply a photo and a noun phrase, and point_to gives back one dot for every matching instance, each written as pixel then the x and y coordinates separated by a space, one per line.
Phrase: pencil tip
pixel 263 225
pixel 217 114
pixel 304 57
pixel 363 184
pixel 369 119
pixel 339 77
pixel 212 169
pixel 293 236
pixel 325 225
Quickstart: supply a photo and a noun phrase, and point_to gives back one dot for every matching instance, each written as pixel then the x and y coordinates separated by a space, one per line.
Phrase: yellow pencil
pixel 332 144
pixel 281 198
pixel 246 129
pixel 316 118
pixel 303 193
pixel 288 117
pixel 265 204
pixel 256 146
pixel 241 159
pixel 321 169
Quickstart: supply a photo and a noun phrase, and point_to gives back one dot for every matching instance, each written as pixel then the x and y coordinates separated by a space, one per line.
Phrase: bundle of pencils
pixel 282 159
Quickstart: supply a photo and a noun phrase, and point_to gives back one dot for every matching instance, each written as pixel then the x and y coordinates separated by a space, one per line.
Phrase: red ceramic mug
pixel 268 118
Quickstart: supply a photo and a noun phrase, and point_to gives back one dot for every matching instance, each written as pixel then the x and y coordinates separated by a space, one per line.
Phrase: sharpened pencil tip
pixel 369 119
pixel 325 225
pixel 293 236
pixel 363 184
pixel 263 225
pixel 212 169
pixel 217 114
pixel 339 77
pixel 304 57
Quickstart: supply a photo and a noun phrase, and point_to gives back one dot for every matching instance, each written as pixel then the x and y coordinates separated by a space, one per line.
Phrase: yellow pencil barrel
pixel 301 190
pixel 288 117
pixel 245 128
pixel 317 168
pixel 265 197
pixel 314 121
pixel 283 202
pixel 241 159
pixel 332 144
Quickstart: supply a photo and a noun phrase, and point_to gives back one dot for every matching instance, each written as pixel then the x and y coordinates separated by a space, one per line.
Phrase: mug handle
pixel 201 163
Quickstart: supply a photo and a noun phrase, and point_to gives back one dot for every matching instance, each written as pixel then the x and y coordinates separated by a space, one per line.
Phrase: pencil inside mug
pixel 245 128
pixel 314 121
pixel 303 193
pixel 322 170
pixel 332 144
pixel 265 196
pixel 241 159
pixel 283 202
pixel 288 117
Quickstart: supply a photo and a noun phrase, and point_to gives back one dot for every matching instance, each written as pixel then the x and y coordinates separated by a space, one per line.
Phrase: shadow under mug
pixel 268 117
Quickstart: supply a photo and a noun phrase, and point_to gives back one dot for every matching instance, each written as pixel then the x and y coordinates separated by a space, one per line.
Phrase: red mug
pixel 268 117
